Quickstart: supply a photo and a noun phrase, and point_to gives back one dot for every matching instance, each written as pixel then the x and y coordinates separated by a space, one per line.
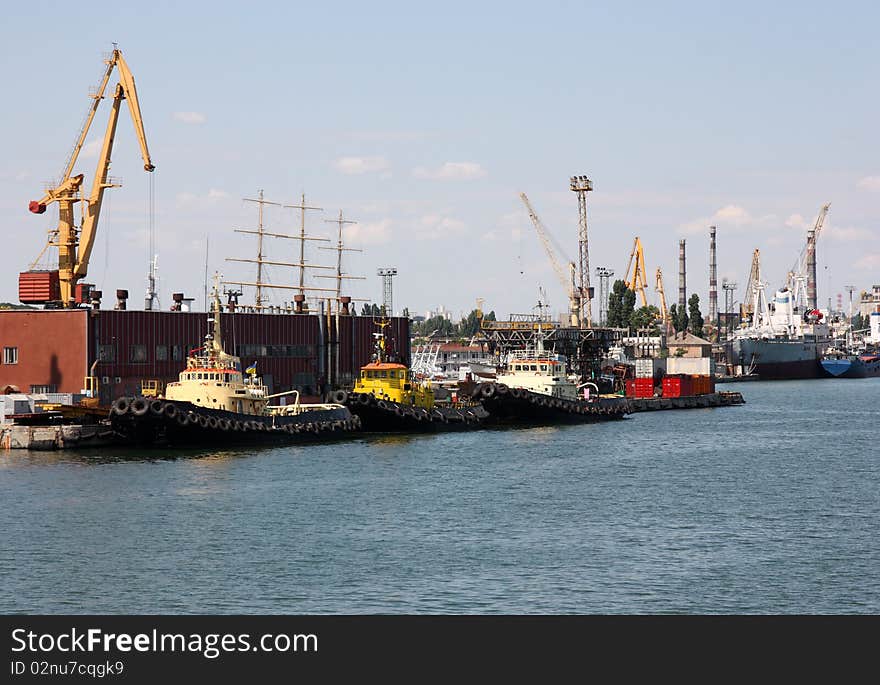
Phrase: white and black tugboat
pixel 388 399
pixel 214 400
pixel 534 389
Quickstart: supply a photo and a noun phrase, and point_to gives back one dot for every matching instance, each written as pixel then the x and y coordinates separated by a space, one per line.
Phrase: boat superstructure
pixel 214 398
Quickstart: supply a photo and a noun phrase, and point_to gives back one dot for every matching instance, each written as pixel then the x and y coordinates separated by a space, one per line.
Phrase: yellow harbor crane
pixel 664 311
pixel 74 242
pixel 567 281
pixel 747 308
pixel 638 283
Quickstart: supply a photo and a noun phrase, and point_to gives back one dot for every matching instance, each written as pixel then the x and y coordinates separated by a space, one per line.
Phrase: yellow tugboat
pixel 213 400
pixel 387 398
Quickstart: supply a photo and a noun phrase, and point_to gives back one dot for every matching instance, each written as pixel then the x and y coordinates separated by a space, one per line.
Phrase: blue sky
pixel 424 124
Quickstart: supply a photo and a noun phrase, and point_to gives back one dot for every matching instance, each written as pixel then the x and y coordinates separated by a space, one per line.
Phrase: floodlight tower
pixel 582 185
pixel 387 274
pixel 728 287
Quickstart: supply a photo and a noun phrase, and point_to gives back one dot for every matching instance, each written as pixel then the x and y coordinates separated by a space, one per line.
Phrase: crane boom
pixel 74 250
pixel 799 269
pixel 638 282
pixel 567 281
pixel 748 307
pixel 664 311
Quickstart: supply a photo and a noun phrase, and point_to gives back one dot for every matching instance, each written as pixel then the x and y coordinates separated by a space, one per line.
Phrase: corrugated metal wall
pixel 131 342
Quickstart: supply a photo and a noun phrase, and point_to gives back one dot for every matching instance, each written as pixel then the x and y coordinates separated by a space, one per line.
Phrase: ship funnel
pixel 121 299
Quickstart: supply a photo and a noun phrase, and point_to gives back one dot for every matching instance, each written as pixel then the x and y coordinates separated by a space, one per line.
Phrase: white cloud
pixel 868 262
pixel 190 117
pixel 845 234
pixel 360 165
pixel 368 232
pixel 435 226
pixel 187 200
pixel 91 149
pixel 870 183
pixel 729 216
pixel 452 170
pixel 796 221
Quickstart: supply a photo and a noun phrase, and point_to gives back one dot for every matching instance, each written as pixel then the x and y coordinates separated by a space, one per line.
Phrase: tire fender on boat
pixel 121 406
pixel 139 406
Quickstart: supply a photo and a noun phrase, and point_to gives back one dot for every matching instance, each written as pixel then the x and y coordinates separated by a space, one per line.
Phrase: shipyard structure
pixel 55 350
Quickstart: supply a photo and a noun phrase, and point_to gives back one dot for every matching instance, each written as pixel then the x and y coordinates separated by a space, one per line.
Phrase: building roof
pixel 686 338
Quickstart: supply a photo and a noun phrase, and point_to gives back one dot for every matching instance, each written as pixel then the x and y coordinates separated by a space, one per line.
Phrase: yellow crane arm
pixel 545 241
pixel 638 282
pixel 664 311
pixel 125 90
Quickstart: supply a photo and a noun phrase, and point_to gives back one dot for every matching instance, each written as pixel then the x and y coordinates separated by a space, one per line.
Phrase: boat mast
pixel 340 248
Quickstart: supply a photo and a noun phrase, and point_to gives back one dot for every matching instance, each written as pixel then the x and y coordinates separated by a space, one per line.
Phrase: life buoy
pixel 140 406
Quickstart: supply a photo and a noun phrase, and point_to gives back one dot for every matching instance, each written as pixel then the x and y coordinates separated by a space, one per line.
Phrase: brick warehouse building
pixel 52 350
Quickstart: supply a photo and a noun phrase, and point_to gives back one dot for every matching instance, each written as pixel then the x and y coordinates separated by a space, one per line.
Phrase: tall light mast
pixel 581 185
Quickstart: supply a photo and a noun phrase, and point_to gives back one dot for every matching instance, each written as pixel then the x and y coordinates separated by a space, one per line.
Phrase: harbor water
pixel 771 507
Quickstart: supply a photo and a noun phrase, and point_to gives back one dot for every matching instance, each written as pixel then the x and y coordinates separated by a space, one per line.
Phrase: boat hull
pixel 172 422
pixel 778 359
pixel 518 405
pixel 386 416
pixel 852 366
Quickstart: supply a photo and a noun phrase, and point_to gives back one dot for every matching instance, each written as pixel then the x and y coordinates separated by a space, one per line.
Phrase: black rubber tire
pixel 121 406
pixel 382 404
pixel 213 423
pixel 182 419
pixel 501 389
pixel 515 393
pixel 156 407
pixel 339 397
pixel 488 390
pixel 365 399
pixel 140 406
pixel 169 410
pixel 224 424
pixel 399 411
pixel 203 421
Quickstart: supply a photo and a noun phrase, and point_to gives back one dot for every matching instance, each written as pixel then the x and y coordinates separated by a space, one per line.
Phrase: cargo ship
pixel 781 344
pixel 214 402
pixel 856 361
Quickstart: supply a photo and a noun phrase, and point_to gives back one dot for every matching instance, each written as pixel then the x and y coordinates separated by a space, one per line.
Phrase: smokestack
pixel 812 300
pixel 96 296
pixel 121 299
pixel 713 279
pixel 682 277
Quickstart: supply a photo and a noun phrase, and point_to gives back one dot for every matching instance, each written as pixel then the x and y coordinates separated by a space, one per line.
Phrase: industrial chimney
pixel 121 299
pixel 682 277
pixel 713 280
pixel 812 300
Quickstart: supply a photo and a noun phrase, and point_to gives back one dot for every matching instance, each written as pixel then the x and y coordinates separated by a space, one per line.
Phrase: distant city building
pixel 440 311
pixel 870 301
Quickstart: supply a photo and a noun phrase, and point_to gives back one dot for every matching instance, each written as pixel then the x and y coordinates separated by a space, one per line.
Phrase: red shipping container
pixel 37 287
pixel 630 387
pixel 644 387
pixel 672 386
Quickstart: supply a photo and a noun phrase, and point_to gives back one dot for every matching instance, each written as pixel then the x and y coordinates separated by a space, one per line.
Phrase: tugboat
pixel 387 398
pixel 212 402
pixel 534 389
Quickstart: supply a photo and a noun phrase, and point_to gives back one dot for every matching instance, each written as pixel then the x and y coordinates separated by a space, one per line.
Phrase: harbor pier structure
pixel 53 350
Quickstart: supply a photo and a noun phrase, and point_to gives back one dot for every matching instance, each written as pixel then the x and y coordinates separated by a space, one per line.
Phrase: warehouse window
pixel 107 353
pixel 137 354
pixel 10 355
pixel 43 389
pixel 177 353
pixel 161 353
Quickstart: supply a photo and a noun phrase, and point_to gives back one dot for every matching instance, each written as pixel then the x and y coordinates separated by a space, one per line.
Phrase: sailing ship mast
pixel 340 248
pixel 260 283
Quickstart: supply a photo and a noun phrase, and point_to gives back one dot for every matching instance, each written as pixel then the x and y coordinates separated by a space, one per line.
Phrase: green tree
pixel 696 318
pixel 646 318
pixel 680 320
pixel 621 304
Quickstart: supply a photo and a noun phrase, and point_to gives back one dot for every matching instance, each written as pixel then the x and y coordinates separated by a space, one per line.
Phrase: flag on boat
pixel 252 369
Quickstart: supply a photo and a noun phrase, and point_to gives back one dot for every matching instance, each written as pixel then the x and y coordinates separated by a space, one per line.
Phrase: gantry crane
pixel 74 242
pixel 638 283
pixel 664 311
pixel 568 282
